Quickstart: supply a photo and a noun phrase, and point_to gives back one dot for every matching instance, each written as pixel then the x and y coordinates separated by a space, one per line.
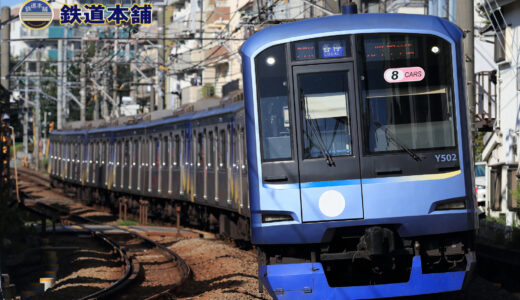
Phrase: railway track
pixel 146 261
pixel 499 265
pixel 130 268
pixel 486 286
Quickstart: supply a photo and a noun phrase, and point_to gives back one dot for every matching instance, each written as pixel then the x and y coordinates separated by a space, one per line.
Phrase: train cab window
pixel 407 93
pixel 325 114
pixel 273 104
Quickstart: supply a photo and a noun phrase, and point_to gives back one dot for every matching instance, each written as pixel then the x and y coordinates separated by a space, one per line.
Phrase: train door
pixel 182 165
pixel 210 165
pixel 117 165
pixel 174 182
pixel 328 156
pixel 95 162
pixel 125 178
pixel 221 188
pixel 244 192
pixel 165 165
pixel 200 166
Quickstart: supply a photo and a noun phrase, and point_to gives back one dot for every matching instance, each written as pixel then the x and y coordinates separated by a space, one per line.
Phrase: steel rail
pixel 115 286
pixel 186 271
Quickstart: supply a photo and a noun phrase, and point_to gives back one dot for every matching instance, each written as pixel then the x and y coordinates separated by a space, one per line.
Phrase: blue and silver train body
pixel 360 166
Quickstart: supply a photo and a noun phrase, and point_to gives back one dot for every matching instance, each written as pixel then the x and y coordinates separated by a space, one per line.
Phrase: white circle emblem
pixel 332 203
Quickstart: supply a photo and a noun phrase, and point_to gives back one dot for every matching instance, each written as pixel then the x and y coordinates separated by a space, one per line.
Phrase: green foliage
pixel 516 195
pixel 208 90
pixel 127 222
pixel 478 146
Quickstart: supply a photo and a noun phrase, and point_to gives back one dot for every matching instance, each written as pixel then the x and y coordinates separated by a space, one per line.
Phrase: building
pixel 501 95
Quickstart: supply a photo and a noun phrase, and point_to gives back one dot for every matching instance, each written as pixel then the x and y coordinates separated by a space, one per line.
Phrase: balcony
pixel 191 94
pixel 485 100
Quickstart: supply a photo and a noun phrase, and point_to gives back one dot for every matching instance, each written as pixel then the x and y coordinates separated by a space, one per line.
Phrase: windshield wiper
pixel 396 141
pixel 315 131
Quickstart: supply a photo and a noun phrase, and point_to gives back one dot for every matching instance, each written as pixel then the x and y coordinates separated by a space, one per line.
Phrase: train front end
pixel 360 166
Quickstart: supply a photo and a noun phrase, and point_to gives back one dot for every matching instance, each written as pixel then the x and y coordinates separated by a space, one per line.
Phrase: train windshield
pixel 407 93
pixel 324 103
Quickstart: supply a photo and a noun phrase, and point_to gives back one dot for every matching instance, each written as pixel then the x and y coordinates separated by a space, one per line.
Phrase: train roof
pixel 185 117
pixel 349 24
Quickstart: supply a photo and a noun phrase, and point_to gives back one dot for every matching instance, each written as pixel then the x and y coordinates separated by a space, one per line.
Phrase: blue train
pixel 348 165
pixel 360 166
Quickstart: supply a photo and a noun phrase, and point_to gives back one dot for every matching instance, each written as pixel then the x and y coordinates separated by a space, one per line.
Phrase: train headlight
pixel 269 218
pixel 449 205
pixel 270 61
pixel 435 49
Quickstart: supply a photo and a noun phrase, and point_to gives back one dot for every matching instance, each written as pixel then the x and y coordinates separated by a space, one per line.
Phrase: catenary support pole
pixel 465 20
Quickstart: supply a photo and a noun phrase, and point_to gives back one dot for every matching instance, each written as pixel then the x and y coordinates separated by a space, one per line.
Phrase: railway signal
pixel 5 142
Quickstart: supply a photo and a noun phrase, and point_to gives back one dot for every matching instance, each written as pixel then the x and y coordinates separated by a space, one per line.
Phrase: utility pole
pixel 83 82
pixel 161 28
pixel 95 115
pixel 115 86
pixel 201 35
pixel 5 47
pixel 135 79
pixel 36 115
pixel 64 87
pixel 26 111
pixel 59 110
pixel 152 95
pixel 464 20
pixel 104 106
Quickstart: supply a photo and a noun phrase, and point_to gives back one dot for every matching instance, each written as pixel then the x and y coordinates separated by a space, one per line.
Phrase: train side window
pixel 126 153
pixel 164 152
pixel 155 152
pixel 95 153
pixel 144 151
pixel 176 150
pixel 243 150
pixel 135 153
pixel 211 151
pixel 117 156
pixel 222 149
pixel 182 155
pixel 200 150
pixel 102 153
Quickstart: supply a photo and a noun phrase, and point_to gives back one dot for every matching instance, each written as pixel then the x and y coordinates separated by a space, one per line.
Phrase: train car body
pixel 196 161
pixel 360 167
